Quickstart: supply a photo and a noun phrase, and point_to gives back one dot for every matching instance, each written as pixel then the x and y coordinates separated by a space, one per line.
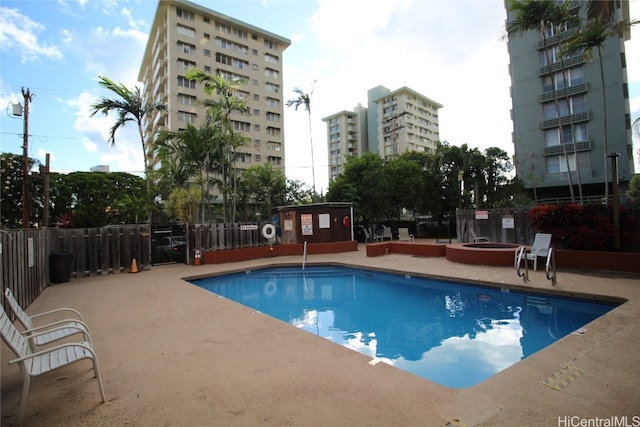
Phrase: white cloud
pixel 426 45
pixel 19 34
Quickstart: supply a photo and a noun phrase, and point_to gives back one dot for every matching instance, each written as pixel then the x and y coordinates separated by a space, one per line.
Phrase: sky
pixel 451 51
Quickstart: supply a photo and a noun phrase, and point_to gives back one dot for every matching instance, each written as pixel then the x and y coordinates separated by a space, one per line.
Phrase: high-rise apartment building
pixel 539 78
pixel 186 35
pixel 401 120
pixel 347 136
pixel 393 122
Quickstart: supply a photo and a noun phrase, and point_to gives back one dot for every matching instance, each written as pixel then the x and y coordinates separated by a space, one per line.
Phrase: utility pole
pixel 28 96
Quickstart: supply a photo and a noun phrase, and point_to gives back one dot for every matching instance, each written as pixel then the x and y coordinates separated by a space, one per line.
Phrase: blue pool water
pixel 453 334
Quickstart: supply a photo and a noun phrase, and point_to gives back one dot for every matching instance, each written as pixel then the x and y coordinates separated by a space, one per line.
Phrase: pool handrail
pixel 550 267
pixel 520 255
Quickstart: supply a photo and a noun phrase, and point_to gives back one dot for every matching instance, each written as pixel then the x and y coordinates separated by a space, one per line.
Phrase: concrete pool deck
pixel 174 354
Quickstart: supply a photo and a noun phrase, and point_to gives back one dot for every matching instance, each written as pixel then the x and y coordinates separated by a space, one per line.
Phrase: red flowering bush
pixel 588 228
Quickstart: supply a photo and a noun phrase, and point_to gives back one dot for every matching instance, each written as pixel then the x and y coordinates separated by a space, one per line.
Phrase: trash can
pixel 60 267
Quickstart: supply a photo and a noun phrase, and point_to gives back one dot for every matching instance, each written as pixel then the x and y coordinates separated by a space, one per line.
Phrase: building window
pixel 273 102
pixel 184 64
pixel 189 16
pixel 271 45
pixel 187 117
pixel 256 97
pixel 207 36
pixel 186 31
pixel 254 52
pixel 231 46
pixel 273 131
pixel 184 99
pixel 207 69
pixel 270 87
pixel 227 29
pixel 558 164
pixel 258 157
pixel 241 126
pixel 185 82
pixel 256 143
pixel 269 72
pixel 207 52
pixel 273 117
pixel 243 158
pixel 256 127
pixel 230 60
pixel 186 47
pixel 274 161
pixel 271 59
pixel 256 112
pixel 275 146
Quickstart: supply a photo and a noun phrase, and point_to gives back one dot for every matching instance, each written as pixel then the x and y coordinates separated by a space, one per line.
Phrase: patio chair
pixel 403 235
pixel 386 233
pixel 49 332
pixel 40 362
pixel 540 248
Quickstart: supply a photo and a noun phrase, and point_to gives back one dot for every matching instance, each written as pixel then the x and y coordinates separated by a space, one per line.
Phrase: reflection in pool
pixel 454 334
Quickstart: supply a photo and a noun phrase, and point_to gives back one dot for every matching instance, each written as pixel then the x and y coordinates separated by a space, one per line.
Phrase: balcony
pixel 561 65
pixel 563 93
pixel 550 41
pixel 574 118
pixel 556 150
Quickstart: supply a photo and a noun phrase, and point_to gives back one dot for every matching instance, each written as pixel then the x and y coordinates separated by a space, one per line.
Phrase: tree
pixel 362 183
pixel 540 15
pixel 600 27
pixel 96 199
pixel 190 152
pixel 128 106
pixel 634 188
pixel 225 103
pixel 264 186
pixel 11 178
pixel 304 99
pixel 184 204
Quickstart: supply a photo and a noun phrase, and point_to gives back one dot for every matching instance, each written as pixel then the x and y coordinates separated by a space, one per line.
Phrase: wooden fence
pixel 25 255
pixel 507 225
pixel 220 236
pixel 23 263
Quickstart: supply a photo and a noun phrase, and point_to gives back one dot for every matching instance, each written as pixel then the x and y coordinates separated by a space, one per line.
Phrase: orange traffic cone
pixel 134 266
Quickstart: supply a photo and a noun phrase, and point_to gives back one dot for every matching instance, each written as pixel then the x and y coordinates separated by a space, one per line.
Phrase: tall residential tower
pixel 186 35
pixel 394 122
pixel 539 79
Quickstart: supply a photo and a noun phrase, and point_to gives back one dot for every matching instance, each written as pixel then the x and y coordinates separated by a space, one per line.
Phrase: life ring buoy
pixel 270 289
pixel 346 222
pixel 269 231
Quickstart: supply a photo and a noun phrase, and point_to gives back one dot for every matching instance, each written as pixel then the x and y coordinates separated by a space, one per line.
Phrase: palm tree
pixel 190 151
pixel 600 27
pixel 539 15
pixel 304 99
pixel 130 106
pixel 227 102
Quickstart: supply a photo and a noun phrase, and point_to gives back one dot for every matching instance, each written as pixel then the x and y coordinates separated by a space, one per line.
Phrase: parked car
pixel 171 248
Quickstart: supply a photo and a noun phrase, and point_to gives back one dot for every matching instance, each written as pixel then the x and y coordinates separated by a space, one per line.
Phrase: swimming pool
pixel 451 333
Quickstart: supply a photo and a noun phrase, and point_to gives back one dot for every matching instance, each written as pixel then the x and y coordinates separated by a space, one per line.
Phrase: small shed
pixel 314 223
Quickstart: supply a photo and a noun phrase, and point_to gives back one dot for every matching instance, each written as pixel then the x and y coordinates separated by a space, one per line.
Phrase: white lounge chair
pixel 403 235
pixel 386 233
pixel 40 362
pixel 540 248
pixel 49 332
